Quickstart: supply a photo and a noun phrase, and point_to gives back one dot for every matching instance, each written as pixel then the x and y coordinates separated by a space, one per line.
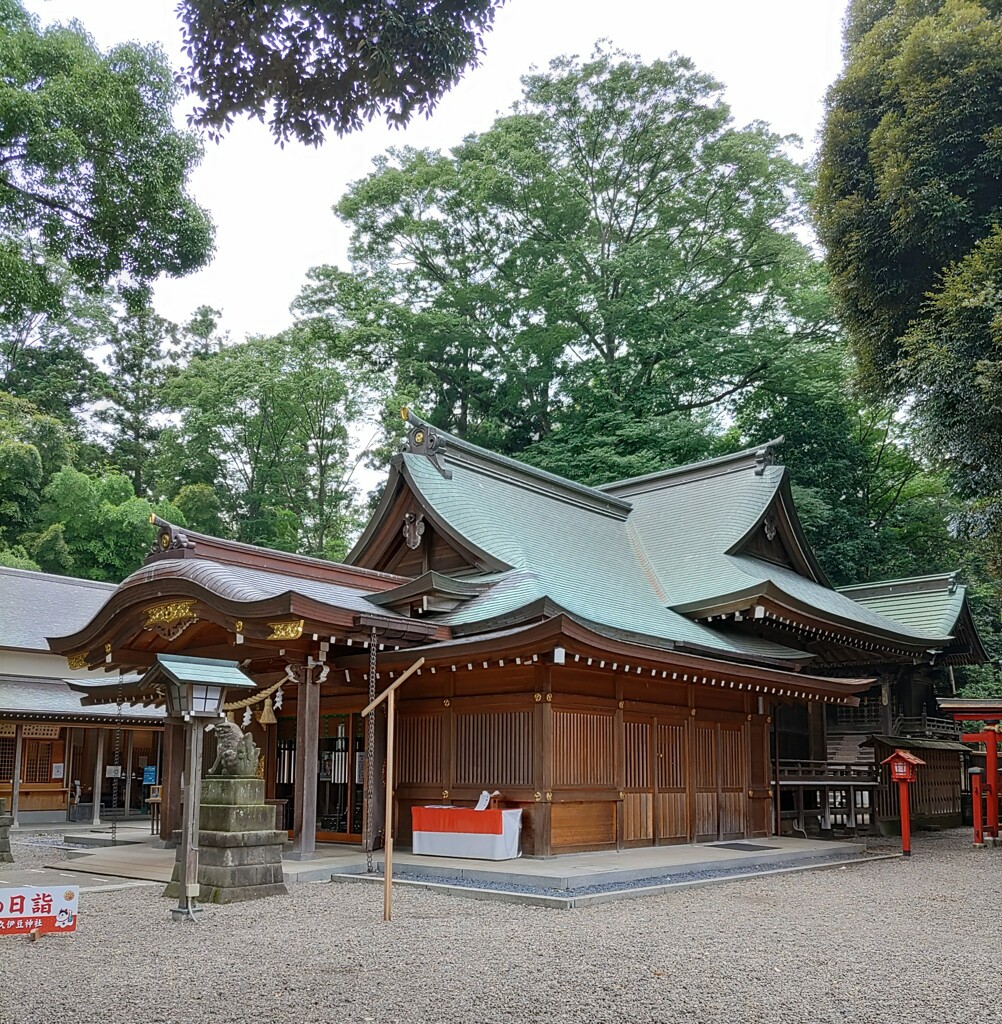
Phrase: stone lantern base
pixel 240 850
pixel 6 820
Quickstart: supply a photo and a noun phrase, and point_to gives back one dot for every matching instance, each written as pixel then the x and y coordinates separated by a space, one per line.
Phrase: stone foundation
pixel 6 820
pixel 240 850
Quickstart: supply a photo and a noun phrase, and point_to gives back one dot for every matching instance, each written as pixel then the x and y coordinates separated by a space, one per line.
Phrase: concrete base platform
pixel 563 879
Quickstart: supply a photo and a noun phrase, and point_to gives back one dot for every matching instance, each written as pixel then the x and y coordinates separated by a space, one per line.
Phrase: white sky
pixel 272 207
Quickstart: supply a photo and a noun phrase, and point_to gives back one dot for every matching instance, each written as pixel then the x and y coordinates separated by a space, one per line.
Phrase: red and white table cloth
pixel 465 832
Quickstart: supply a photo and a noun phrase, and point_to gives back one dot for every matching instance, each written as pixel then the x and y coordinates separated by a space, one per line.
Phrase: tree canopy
pixel 314 66
pixel 910 164
pixel 614 244
pixel 93 173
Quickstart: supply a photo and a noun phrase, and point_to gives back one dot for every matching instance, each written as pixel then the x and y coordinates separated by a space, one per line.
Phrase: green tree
pixel 141 357
pixel 314 66
pixel 265 425
pixel 44 353
pixel 93 173
pixel 870 508
pixel 33 446
pixel 910 163
pixel 94 526
pixel 616 245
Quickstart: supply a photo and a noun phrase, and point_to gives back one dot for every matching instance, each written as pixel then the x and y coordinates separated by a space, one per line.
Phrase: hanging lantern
pixel 267 716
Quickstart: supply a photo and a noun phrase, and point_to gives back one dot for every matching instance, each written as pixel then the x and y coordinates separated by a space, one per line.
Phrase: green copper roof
pixel 561 546
pixel 925 603
pixel 693 522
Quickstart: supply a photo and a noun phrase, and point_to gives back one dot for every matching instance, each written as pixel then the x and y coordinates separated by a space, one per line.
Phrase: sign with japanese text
pixel 150 775
pixel 38 908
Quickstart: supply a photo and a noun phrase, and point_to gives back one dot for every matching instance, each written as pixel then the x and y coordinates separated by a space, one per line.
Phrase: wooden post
pixel 15 779
pixel 307 745
pixel 188 881
pixel 98 777
pixel 170 779
pixel 128 775
pixel 68 767
pixel 906 820
pixel 389 695
pixel 391 705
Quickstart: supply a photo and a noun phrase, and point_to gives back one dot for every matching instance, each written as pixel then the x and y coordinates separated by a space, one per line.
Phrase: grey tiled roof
pixel 26 697
pixel 239 583
pixel 35 605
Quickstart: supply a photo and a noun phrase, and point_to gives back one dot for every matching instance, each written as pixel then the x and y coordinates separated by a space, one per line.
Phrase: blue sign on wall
pixel 150 775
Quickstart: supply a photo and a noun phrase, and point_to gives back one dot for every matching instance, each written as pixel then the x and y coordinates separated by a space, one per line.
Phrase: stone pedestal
pixel 240 850
pixel 6 820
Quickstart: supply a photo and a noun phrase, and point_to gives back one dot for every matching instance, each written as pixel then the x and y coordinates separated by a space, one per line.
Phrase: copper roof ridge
pixel 901 586
pixel 217 549
pixel 538 479
pixel 53 577
pixel 758 457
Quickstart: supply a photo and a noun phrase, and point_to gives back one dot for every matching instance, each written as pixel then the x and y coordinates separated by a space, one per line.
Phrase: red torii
pixel 989 712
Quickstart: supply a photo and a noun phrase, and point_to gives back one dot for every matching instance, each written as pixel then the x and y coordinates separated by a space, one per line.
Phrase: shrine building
pixel 628 664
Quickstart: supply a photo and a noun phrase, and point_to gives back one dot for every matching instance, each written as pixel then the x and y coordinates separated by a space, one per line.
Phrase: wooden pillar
pixel 98 777
pixel 542 763
pixel 68 767
pixel 128 774
pixel 15 779
pixel 619 746
pixel 170 779
pixel 307 744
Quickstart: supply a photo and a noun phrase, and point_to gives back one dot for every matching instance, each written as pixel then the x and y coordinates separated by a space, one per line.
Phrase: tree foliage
pixel 616 243
pixel 315 66
pixel 92 171
pixel 265 424
pixel 911 161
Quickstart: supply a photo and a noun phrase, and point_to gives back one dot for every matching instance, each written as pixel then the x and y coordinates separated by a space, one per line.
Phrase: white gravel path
pixel 892 941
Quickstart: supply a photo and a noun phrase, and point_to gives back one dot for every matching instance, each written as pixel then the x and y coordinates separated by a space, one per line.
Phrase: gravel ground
pixel 34 850
pixel 890 941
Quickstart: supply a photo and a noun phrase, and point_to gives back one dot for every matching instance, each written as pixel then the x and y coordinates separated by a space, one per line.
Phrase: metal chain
pixel 118 764
pixel 370 760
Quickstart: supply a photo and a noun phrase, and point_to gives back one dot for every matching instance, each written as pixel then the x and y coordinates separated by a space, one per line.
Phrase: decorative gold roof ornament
pixel 289 630
pixel 77 661
pixel 170 620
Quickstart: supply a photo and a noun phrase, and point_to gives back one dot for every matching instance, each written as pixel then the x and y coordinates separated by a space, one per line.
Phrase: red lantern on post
pixel 902 765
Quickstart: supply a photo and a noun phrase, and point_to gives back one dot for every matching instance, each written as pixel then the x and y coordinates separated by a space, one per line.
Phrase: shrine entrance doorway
pixel 340 768
pixel 685 780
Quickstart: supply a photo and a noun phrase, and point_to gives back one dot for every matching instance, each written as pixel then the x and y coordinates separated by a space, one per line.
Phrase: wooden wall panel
pixel 419 750
pixel 494 749
pixel 579 824
pixel 583 749
pixel 673 817
pixel 732 815
pixel 638 817
pixel 638 755
pixel 732 773
pixel 705 825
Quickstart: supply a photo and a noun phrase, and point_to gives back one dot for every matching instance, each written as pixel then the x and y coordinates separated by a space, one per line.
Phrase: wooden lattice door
pixel 706 779
pixel 671 771
pixel 638 799
pixel 733 759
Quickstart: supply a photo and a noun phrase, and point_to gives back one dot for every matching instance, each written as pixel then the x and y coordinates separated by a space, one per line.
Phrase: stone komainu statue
pixel 236 754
